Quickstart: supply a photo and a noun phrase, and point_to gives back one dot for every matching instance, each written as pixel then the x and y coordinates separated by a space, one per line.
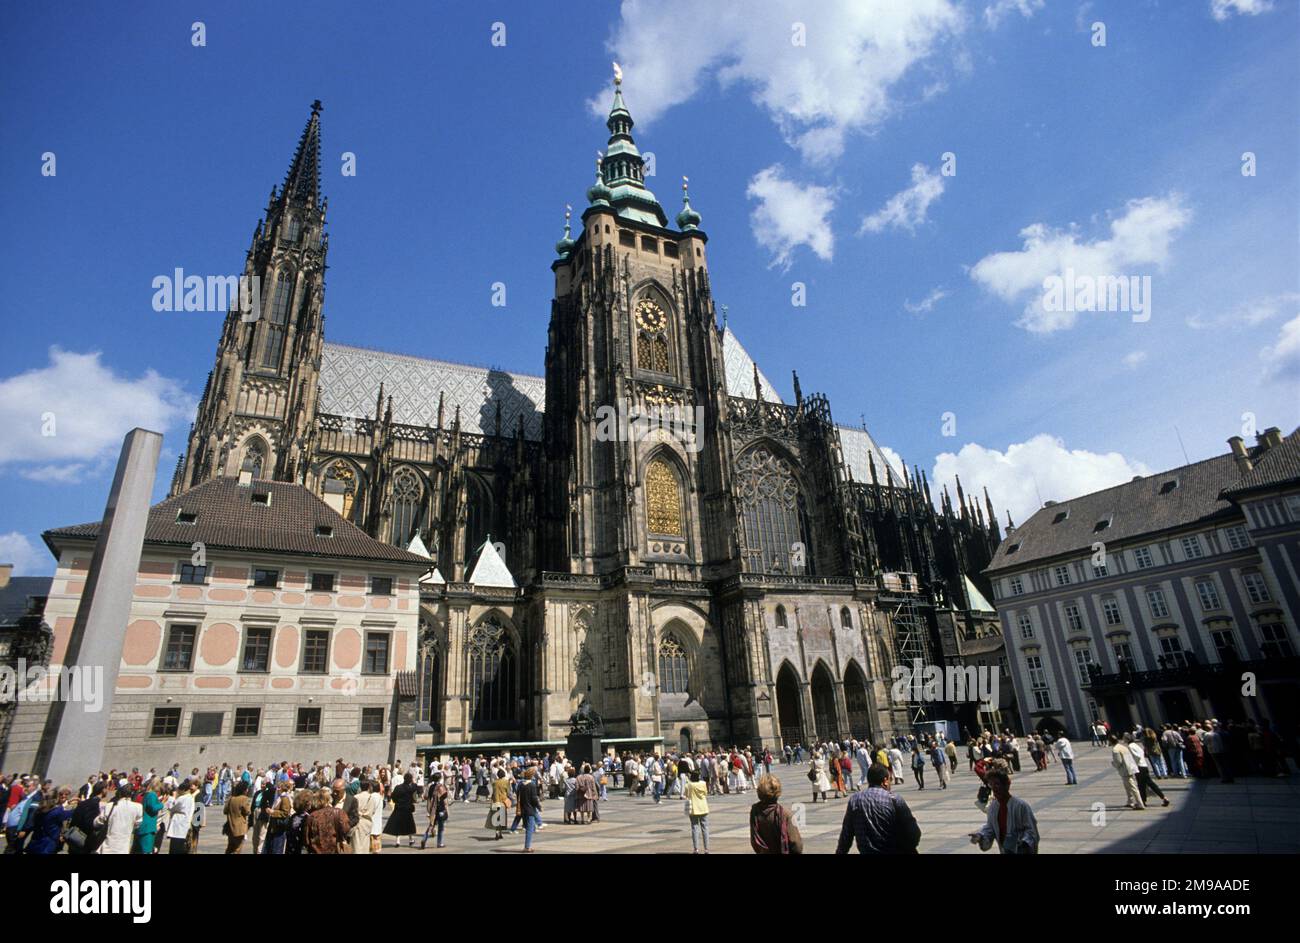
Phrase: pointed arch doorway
pixel 823 695
pixel 789 707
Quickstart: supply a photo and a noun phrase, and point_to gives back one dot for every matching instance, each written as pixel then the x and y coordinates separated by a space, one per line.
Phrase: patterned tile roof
pixel 739 367
pixel 350 379
pixel 860 450
pixel 226 517
pixel 1142 506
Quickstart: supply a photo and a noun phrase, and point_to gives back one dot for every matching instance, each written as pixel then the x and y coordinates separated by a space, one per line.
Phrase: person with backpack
pixel 772 830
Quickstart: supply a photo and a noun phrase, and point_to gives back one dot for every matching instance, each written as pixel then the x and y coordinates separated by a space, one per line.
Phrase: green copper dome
pixel 687 219
pixel 565 245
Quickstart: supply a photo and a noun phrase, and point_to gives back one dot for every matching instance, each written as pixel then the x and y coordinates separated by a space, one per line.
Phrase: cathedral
pixel 750 576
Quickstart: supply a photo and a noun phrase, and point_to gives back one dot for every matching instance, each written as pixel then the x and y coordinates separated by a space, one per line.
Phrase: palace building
pixel 755 581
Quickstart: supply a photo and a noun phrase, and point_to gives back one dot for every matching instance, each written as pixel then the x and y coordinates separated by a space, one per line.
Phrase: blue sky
pixel 1126 157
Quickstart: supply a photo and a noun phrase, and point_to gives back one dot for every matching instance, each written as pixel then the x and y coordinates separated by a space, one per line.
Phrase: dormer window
pixel 1169 486
pixel 186 517
pixel 1012 549
pixel 1101 525
pixel 262 497
pixel 1060 516
pixel 324 530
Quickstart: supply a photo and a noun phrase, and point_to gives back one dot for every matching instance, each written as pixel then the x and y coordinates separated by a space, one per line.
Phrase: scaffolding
pixel 912 647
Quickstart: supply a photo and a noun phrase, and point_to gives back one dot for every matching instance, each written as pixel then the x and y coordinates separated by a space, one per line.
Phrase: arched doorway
pixel 684 740
pixel 788 707
pixel 823 696
pixel 855 702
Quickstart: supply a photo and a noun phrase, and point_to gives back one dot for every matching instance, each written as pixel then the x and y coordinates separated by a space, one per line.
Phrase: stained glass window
pixel 673 670
pixel 773 513
pixel 491 675
pixel 279 320
pixel 407 493
pixel 255 457
pixel 663 500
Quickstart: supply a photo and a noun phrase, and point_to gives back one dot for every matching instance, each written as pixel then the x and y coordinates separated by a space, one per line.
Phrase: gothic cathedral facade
pixel 750 573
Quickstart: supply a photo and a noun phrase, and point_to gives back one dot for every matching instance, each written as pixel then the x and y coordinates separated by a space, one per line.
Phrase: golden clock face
pixel 650 317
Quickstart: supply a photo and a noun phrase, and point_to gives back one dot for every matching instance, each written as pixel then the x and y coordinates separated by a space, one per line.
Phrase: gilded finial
pixel 618 74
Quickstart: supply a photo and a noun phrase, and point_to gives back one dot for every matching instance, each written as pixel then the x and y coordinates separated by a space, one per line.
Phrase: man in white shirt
pixel 1145 783
pixel 1066 752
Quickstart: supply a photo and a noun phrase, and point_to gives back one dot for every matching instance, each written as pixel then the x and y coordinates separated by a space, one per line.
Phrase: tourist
pixel 918 766
pixel 1066 751
pixel 1144 781
pixel 325 829
pixel 939 759
pixel 530 805
pixel 1172 743
pixel 877 820
pixel 237 810
pixel 950 749
pixel 180 815
pixel 402 821
pixel 368 803
pixel 771 828
pixel 146 832
pixel 1011 821
pixel 82 836
pixel 696 796
pixel 278 818
pixel 48 820
pixel 821 784
pixel 1217 749
pixel 1121 757
pixel 119 819
pixel 439 800
pixel 588 793
pixel 497 812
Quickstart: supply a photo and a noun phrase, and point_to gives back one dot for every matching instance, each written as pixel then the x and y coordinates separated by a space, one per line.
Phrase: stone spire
pixel 622 169
pixel 302 182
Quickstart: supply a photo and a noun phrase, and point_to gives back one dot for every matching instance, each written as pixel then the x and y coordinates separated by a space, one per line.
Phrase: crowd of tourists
pixel 290 808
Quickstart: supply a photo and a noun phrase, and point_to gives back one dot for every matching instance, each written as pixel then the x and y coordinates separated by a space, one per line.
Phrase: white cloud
pixel 59 420
pixel 1282 358
pixel 1223 9
pixel 1139 238
pixel 843 77
pixel 1040 466
pixel 1135 359
pixel 906 209
pixel 927 303
pixel 994 12
pixel 1248 313
pixel 894 459
pixel 789 215
pixel 27 559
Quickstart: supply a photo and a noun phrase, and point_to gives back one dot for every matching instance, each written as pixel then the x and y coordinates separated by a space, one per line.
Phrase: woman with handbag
pixel 821 784
pixel 439 797
pixel 237 810
pixel 146 833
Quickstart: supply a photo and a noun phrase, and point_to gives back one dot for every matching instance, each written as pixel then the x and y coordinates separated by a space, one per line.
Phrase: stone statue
pixel 585 720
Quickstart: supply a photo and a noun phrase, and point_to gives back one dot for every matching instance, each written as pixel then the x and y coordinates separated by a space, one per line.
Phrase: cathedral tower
pixel 634 380
pixel 258 406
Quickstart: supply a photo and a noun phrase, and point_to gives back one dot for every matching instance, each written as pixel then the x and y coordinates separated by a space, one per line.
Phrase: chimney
pixel 1239 454
pixel 6 571
pixel 1272 437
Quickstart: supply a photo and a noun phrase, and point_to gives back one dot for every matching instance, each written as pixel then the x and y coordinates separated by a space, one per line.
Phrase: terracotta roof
pixel 226 517
pixel 1278 466
pixel 1143 506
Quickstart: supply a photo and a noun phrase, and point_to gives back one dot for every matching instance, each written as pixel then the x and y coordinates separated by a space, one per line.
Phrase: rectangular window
pixel 1017 587
pixel 626 238
pixel 1293 506
pixel 1142 556
pixel 308 724
pixel 381 586
pixel 376 662
pixel 1083 664
pixel 1038 683
pixel 1192 547
pixel 1172 650
pixel 193 574
pixel 1111 608
pixel 1072 618
pixel 257 650
pixel 1099 571
pixel 1225 643
pixel 266 579
pixel 166 722
pixel 322 582
pixel 372 720
pixel 1026 626
pixel 1123 654
pixel 1209 595
pixel 315 651
pixel 1256 588
pixel 1237 539
pixel 650 244
pixel 1274 642
pixel 206 723
pixel 179 654
pixel 248 721
pixel 670 249
pixel 1156 601
pixel 1062 576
